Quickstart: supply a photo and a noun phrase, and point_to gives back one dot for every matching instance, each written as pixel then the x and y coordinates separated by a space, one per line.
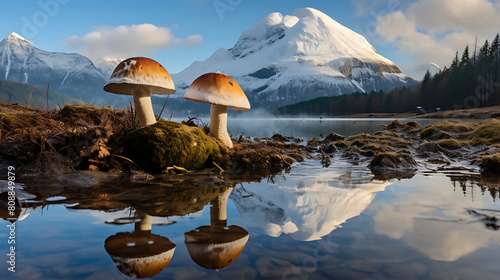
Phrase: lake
pixel 309 127
pixel 308 222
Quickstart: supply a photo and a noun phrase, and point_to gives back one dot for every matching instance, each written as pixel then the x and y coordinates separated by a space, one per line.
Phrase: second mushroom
pixel 221 91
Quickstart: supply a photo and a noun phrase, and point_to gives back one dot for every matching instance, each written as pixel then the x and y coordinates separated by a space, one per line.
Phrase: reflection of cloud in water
pixel 306 207
pixel 435 220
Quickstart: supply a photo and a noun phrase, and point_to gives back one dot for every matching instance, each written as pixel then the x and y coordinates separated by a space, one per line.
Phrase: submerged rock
pixel 158 146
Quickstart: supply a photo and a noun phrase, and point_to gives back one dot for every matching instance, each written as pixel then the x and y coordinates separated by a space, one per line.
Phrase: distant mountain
pixel 282 60
pixel 72 74
pixel 20 93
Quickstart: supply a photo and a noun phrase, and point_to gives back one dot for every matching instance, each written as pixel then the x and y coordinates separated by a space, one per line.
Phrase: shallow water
pixel 309 127
pixel 313 223
pixel 309 222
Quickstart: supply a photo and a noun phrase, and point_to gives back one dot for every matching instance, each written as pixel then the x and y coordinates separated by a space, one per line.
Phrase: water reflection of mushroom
pixel 221 91
pixel 140 253
pixel 218 245
pixel 140 77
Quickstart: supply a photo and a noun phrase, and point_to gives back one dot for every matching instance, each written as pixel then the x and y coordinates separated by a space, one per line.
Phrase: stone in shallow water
pixel 491 164
pixel 163 144
pixel 392 161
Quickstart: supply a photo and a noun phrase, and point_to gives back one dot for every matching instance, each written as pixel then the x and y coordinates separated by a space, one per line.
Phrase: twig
pixel 159 116
pixel 122 157
pixel 220 168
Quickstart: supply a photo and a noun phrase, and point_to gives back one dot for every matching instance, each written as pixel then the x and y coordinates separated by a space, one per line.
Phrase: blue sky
pixel 410 33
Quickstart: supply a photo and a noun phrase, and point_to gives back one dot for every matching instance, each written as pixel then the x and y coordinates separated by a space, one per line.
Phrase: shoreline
pixel 475 113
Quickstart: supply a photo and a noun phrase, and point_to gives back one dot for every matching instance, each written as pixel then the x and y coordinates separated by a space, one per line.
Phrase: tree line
pixel 472 80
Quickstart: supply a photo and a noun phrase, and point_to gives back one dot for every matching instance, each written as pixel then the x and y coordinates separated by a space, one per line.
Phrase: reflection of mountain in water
pixel 305 208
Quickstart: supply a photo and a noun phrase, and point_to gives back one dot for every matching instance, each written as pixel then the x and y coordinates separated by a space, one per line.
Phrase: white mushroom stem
pixel 218 211
pixel 144 224
pixel 218 124
pixel 143 107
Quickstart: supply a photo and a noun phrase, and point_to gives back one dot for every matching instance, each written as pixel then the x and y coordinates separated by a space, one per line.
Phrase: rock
pixel 330 148
pixel 279 137
pixel 490 164
pixel 450 144
pixel 332 137
pixel 163 144
pixel 396 125
pixel 392 161
pixel 313 142
pixel 431 147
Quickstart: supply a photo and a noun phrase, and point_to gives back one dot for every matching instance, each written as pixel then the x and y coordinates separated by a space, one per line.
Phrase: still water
pixel 308 127
pixel 309 222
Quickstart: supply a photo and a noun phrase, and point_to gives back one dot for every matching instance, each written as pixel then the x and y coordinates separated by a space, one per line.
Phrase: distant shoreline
pixel 475 113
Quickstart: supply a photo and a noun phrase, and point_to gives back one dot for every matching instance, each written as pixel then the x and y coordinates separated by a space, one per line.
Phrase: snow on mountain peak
pixel 281 59
pixel 14 35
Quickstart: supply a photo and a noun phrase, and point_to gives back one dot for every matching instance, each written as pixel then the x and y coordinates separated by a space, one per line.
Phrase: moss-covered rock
pixel 392 161
pixel 442 130
pixel 449 143
pixel 491 164
pixel 163 144
pixel 488 132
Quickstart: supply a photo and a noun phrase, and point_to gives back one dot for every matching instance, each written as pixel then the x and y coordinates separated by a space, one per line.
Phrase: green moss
pixel 449 144
pixel 451 126
pixel 158 146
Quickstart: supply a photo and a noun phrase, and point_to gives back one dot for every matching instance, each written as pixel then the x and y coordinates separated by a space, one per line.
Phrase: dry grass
pixel 488 132
pixel 81 133
pixel 450 126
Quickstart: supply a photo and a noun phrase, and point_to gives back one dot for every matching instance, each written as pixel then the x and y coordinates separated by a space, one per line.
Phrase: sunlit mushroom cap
pixel 218 89
pixel 139 256
pixel 140 72
pixel 215 250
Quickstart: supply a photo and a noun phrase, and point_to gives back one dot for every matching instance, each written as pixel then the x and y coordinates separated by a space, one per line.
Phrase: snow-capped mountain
pixel 286 59
pixel 107 65
pixel 72 74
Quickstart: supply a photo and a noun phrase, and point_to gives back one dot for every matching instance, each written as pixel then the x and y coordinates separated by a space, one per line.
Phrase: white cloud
pixel 127 41
pixel 433 30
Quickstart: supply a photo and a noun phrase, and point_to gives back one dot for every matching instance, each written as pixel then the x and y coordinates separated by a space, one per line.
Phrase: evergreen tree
pixel 484 51
pixel 455 61
pixel 465 57
pixel 494 48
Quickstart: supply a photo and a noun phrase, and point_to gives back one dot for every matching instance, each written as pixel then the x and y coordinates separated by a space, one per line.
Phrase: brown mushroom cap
pixel 139 255
pixel 140 72
pixel 218 89
pixel 215 249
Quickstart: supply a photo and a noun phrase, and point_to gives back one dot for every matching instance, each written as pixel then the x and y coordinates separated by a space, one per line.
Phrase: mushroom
pixel 216 246
pixel 140 77
pixel 140 254
pixel 220 91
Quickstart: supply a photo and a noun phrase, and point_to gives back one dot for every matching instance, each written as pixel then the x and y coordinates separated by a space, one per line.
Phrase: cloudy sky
pixel 413 34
